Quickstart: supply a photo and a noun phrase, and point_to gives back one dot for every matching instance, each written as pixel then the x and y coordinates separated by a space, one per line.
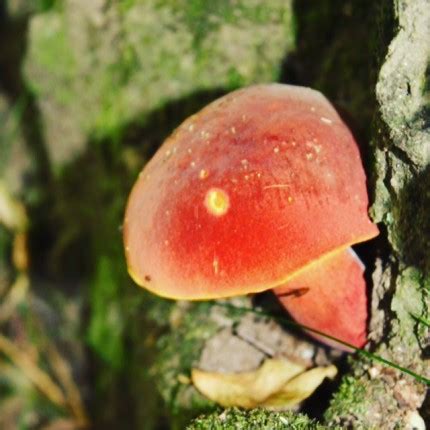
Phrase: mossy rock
pixel 257 419
pixel 96 67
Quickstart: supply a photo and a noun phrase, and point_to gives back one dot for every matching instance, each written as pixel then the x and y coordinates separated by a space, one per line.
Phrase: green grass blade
pixel 359 351
pixel 421 320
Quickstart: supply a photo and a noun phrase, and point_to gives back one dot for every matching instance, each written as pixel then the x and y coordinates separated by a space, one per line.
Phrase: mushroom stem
pixel 330 297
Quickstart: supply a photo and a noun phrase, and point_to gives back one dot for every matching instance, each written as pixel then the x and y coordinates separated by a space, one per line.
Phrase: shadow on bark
pixel 81 225
pixel 13 35
pixel 415 243
pixel 339 47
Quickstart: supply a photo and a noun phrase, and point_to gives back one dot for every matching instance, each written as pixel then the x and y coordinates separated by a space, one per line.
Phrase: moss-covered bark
pixel 102 83
pixel 400 181
pixel 99 66
pixel 233 419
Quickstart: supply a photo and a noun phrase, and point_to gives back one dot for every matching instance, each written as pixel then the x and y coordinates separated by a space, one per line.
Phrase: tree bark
pixel 384 398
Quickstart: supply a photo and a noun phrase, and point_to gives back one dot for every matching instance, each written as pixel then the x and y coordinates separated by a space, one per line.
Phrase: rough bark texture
pixel 91 88
pixel 123 60
pixel 400 166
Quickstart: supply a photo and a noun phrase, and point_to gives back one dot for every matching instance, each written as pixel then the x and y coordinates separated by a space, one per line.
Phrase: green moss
pixel 54 57
pixel 96 78
pixel 258 419
pixel 349 399
pixel 179 349
pixel 408 302
pixel 202 17
pixel 105 331
pixel 20 8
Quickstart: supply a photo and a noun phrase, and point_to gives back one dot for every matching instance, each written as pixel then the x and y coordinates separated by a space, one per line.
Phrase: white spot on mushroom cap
pixel 203 174
pixel 326 120
pixel 217 202
pixel 267 187
pixel 215 265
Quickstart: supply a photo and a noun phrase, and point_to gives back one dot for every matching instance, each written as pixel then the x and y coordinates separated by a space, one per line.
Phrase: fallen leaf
pixel 299 388
pixel 276 384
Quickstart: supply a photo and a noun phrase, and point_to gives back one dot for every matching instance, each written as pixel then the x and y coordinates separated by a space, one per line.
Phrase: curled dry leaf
pixel 299 388
pixel 277 384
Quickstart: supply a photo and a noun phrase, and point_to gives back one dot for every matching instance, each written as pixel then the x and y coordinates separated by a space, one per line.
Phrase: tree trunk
pixel 400 182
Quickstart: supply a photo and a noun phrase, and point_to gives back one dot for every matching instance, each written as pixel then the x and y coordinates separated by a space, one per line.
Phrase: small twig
pixel 421 320
pixel 64 374
pixel 20 252
pixel 37 376
pixel 16 294
pixel 13 216
pixel 362 352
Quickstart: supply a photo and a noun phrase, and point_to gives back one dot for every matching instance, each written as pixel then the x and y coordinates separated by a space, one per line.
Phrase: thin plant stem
pixel 359 351
pixel 421 320
pixel 37 376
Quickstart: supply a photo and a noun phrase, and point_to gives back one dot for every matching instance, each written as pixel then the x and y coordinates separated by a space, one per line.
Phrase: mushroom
pixel 330 297
pixel 262 189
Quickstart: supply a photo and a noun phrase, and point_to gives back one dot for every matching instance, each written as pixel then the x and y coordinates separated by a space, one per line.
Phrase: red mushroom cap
pixel 245 195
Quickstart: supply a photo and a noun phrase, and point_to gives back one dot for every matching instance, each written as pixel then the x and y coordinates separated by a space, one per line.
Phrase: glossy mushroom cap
pixel 245 195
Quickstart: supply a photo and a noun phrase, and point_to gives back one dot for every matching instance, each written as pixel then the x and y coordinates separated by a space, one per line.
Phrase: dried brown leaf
pixel 246 389
pixel 299 388
pixel 277 384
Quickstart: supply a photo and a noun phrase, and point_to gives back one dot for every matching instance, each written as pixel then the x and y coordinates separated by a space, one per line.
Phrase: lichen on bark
pixel 401 179
pixel 110 81
pixel 123 60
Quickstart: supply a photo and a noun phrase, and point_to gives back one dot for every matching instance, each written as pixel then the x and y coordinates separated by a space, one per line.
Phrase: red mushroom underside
pixel 330 296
